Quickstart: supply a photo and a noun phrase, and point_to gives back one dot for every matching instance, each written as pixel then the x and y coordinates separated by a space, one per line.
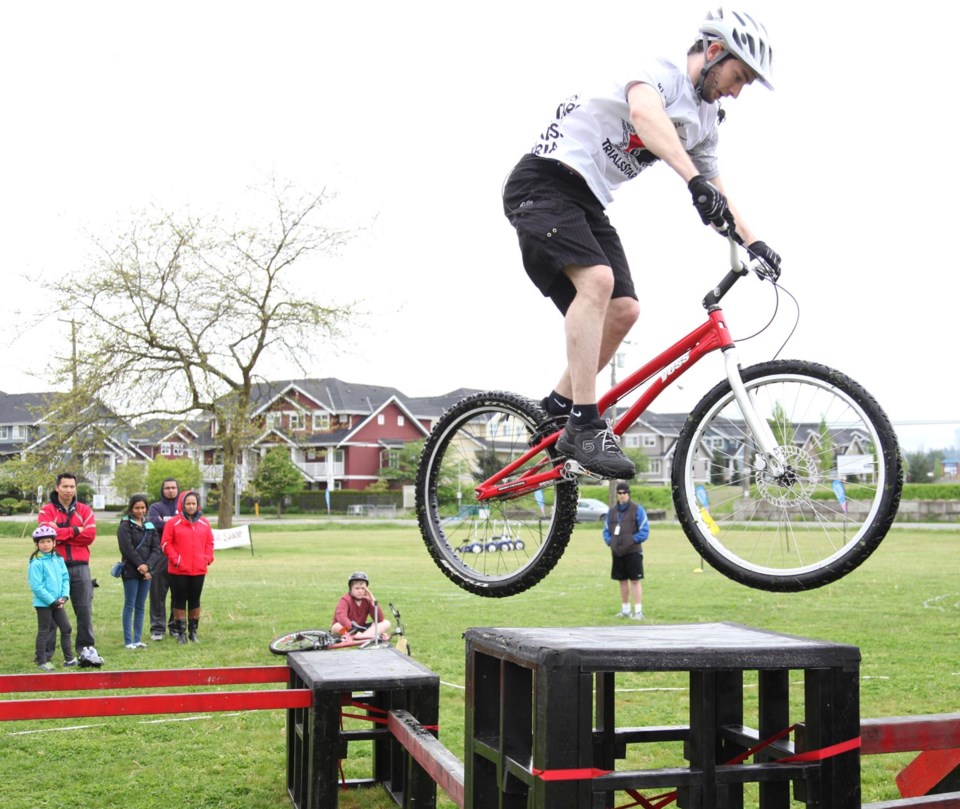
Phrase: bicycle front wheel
pixel 822 513
pixel 493 548
pixel 305 640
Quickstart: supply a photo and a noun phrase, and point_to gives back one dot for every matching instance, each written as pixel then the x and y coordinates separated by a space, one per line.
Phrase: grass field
pixel 901 608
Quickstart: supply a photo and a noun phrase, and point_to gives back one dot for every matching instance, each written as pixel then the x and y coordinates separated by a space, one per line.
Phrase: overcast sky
pixel 415 112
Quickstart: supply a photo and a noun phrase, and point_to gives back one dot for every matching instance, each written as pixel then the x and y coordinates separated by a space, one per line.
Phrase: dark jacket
pixel 139 545
pixel 634 529
pixel 164 508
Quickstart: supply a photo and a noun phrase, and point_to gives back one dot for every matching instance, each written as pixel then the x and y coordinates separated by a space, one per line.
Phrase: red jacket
pixel 187 544
pixel 76 528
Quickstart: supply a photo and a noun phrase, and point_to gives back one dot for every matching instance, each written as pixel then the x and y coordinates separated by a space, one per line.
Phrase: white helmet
pixel 744 37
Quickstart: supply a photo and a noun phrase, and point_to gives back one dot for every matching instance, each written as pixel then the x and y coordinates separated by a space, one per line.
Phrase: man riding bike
pixel 556 194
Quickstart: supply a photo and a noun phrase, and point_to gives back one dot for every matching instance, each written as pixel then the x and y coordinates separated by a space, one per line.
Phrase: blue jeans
pixel 135 592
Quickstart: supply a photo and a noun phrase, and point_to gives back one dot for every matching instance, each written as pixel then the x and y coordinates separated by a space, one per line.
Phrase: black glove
pixel 710 203
pixel 760 250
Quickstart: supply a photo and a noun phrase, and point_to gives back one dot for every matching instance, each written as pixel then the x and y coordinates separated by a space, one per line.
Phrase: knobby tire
pixel 818 520
pixel 496 547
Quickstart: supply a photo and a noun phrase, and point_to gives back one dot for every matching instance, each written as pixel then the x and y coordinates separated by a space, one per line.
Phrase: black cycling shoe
pixel 596 448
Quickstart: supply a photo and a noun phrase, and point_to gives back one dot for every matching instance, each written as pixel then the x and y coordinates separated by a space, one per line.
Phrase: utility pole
pixel 73 354
pixel 616 361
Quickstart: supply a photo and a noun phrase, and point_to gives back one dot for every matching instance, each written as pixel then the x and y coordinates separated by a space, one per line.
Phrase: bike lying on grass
pixel 786 476
pixel 316 640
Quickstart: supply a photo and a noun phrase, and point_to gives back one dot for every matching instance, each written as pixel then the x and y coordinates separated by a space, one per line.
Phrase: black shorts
pixel 560 223
pixel 627 567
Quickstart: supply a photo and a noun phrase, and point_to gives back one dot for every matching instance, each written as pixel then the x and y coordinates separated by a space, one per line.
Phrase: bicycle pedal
pixel 573 470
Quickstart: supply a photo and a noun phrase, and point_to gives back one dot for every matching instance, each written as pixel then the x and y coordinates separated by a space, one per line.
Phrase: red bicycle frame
pixel 663 370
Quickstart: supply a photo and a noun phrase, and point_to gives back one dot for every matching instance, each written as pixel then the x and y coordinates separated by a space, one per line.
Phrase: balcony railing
pixel 319 470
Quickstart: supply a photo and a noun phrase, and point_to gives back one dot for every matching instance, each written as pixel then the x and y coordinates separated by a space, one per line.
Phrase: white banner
pixel 238 537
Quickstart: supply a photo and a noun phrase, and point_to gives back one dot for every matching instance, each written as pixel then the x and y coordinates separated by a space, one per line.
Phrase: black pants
pixel 159 587
pixel 186 590
pixel 49 620
pixel 81 599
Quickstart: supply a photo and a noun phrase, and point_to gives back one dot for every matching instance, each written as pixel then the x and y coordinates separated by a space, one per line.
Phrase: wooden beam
pixel 199 702
pixel 96 679
pixel 900 734
pixel 438 762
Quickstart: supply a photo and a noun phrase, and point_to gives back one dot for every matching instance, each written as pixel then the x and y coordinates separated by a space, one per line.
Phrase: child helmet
pixel 44 532
pixel 358 576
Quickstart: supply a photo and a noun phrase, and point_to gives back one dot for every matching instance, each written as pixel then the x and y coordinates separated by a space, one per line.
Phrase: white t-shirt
pixel 593 135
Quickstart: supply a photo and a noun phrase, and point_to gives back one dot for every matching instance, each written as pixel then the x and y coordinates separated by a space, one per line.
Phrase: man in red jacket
pixel 76 530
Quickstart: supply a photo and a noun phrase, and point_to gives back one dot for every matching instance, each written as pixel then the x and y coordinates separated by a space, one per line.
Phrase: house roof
pixel 159 430
pixel 21 408
pixel 338 396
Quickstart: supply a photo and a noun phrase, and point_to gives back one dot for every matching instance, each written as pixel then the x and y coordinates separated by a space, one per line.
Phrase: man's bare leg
pixel 621 314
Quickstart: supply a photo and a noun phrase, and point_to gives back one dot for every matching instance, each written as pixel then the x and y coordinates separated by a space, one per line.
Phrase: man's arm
pixel 643 526
pixel 88 526
pixel 656 130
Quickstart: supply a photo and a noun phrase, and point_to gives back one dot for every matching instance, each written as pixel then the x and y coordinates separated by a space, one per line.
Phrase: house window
pixel 400 421
pixel 390 459
pixel 655 466
pixel 297 421
pixel 649 440
pixel 381 420
pixel 273 420
pixel 165 448
pixel 631 441
pixel 178 449
pixel 321 421
pixel 5 433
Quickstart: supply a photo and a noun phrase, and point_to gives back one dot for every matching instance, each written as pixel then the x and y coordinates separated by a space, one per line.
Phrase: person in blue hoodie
pixel 50 584
pixel 159 513
pixel 625 530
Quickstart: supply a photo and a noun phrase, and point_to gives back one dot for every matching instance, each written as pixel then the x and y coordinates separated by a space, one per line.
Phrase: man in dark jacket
pixel 76 530
pixel 625 528
pixel 160 512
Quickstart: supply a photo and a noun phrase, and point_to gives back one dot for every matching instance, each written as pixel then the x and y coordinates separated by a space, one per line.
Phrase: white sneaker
pixel 130 646
pixel 637 616
pixel 89 657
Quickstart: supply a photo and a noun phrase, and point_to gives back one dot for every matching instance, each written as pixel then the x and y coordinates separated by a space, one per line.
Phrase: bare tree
pixel 179 314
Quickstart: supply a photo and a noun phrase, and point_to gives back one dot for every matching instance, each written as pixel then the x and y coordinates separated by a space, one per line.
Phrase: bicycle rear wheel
pixel 493 548
pixel 824 514
pixel 305 640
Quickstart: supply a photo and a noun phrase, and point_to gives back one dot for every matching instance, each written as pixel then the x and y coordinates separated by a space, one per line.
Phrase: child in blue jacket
pixel 50 583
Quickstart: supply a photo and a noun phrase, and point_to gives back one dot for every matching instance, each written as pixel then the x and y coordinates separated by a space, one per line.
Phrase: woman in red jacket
pixel 188 546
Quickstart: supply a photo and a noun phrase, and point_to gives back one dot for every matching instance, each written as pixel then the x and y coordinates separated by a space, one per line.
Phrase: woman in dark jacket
pixel 140 549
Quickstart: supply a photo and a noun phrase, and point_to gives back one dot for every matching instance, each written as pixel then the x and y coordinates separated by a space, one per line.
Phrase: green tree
pixel 921 466
pixel 183 470
pixel 825 448
pixel 129 479
pixel 404 462
pixel 277 476
pixel 26 478
pixel 193 309
pixel 781 426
